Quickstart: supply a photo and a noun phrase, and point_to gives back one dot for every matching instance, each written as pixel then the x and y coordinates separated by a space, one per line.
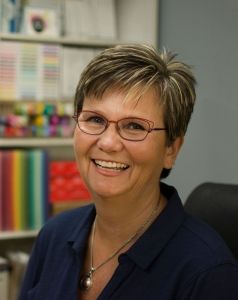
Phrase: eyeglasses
pixel 130 129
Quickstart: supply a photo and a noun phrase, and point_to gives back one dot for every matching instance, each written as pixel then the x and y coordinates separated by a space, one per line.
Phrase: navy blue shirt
pixel 177 258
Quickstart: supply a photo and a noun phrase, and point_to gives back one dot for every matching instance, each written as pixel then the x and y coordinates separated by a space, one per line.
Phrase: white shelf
pixel 8 235
pixel 35 142
pixel 59 40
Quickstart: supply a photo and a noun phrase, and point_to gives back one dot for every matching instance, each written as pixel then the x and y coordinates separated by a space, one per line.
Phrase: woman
pixel 132 108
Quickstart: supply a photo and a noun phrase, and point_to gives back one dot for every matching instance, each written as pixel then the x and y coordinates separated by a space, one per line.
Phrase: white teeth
pixel 110 164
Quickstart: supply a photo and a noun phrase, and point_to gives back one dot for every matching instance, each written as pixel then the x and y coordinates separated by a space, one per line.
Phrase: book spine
pixel 38 188
pixel 45 186
pixel 7 191
pixel 31 190
pixel 16 194
pixel 23 182
pixel 1 191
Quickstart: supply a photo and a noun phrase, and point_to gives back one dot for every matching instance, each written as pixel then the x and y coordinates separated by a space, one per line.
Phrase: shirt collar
pixel 153 241
pixel 79 236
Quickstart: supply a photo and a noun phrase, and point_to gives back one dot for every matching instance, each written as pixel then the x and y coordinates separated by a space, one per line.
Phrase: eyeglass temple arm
pixel 158 129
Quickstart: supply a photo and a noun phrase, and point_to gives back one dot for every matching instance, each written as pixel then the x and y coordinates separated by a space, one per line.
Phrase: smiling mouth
pixel 110 165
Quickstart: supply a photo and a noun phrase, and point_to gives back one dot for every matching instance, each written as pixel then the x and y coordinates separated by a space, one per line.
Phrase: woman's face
pixel 112 166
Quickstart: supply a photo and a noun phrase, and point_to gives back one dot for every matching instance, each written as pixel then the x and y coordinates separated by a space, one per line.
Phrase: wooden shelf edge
pixel 8 235
pixel 35 142
pixel 59 40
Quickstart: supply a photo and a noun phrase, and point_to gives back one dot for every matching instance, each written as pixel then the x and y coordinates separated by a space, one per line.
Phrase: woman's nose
pixel 110 140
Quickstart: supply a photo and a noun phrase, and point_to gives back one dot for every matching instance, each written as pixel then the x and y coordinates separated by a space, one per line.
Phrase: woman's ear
pixel 172 151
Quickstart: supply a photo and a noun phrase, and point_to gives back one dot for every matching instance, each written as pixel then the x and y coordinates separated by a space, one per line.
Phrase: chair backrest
pixel 217 204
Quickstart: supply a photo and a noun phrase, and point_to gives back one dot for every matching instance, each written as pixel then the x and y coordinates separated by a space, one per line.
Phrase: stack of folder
pixel 66 187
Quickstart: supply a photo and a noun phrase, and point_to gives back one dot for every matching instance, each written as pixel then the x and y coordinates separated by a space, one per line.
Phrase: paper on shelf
pixel 90 19
pixel 18 262
pixel 105 19
pixel 4 279
pixel 29 71
pixel 73 62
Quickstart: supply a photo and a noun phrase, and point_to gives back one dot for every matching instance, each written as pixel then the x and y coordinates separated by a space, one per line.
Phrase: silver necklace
pixel 86 280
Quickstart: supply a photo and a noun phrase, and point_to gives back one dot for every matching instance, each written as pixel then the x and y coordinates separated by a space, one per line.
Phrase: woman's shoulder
pixel 208 266
pixel 204 242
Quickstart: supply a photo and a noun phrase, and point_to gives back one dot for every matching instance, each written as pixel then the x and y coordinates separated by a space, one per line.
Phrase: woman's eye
pixel 96 120
pixel 134 126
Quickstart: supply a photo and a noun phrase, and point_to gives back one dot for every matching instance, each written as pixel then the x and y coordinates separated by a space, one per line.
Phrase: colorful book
pixel 20 177
pixel 1 191
pixel 16 195
pixel 38 195
pixel 7 195
pixel 9 78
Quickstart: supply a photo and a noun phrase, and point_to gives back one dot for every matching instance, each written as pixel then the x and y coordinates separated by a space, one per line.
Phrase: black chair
pixel 217 204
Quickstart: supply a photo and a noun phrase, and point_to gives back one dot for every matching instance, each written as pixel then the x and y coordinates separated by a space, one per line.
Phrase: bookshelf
pixel 9 235
pixel 16 241
pixel 65 41
pixel 35 142
pixel 137 21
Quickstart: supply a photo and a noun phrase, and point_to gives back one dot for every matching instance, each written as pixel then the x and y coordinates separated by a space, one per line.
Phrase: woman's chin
pixel 106 191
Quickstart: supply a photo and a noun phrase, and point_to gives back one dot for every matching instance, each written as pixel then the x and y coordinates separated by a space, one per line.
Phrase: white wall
pixel 205 33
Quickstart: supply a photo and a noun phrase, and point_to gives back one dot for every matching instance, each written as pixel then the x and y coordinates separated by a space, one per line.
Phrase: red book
pixel 7 190
pixel 1 191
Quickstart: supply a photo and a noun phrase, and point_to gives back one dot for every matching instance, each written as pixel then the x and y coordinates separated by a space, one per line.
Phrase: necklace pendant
pixel 86 282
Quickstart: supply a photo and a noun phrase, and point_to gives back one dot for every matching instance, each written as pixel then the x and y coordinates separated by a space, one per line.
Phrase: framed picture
pixel 40 21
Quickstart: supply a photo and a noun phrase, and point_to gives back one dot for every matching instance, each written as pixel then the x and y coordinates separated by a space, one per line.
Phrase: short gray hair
pixel 134 68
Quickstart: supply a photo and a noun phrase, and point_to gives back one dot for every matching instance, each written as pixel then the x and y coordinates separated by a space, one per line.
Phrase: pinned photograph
pixel 38 21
